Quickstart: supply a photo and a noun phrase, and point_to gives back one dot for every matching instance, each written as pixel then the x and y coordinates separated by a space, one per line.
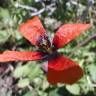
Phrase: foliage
pixel 28 79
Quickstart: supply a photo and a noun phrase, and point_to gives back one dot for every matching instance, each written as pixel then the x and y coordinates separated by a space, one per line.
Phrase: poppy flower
pixel 60 68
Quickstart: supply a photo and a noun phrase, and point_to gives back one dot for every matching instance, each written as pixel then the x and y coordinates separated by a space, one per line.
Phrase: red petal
pixel 68 32
pixel 63 70
pixel 22 56
pixel 32 30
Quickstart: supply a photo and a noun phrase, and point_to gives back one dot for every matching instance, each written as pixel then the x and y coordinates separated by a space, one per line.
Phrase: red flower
pixel 60 68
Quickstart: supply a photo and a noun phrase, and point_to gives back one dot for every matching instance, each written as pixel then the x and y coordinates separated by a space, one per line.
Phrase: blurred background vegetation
pixel 27 78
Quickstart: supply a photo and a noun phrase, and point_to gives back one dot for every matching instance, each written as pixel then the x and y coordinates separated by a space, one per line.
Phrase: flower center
pixel 45 44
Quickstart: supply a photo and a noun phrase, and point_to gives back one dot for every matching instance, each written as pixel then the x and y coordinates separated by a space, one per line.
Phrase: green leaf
pixel 23 83
pixel 54 93
pixel 4 35
pixel 28 93
pixel 73 89
pixel 45 85
pixel 92 71
pixel 31 93
pixel 21 71
pixel 35 71
pixel 4 13
pixel 85 88
pixel 5 16
pixel 30 70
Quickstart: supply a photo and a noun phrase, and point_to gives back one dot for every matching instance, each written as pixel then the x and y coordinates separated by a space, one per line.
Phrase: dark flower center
pixel 44 44
pixel 46 47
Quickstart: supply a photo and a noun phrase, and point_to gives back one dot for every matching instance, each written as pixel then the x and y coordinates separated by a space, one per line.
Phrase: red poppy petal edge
pixel 21 56
pixel 63 70
pixel 68 32
pixel 32 30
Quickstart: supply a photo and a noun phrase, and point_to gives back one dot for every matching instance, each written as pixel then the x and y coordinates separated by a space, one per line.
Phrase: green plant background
pixel 27 78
